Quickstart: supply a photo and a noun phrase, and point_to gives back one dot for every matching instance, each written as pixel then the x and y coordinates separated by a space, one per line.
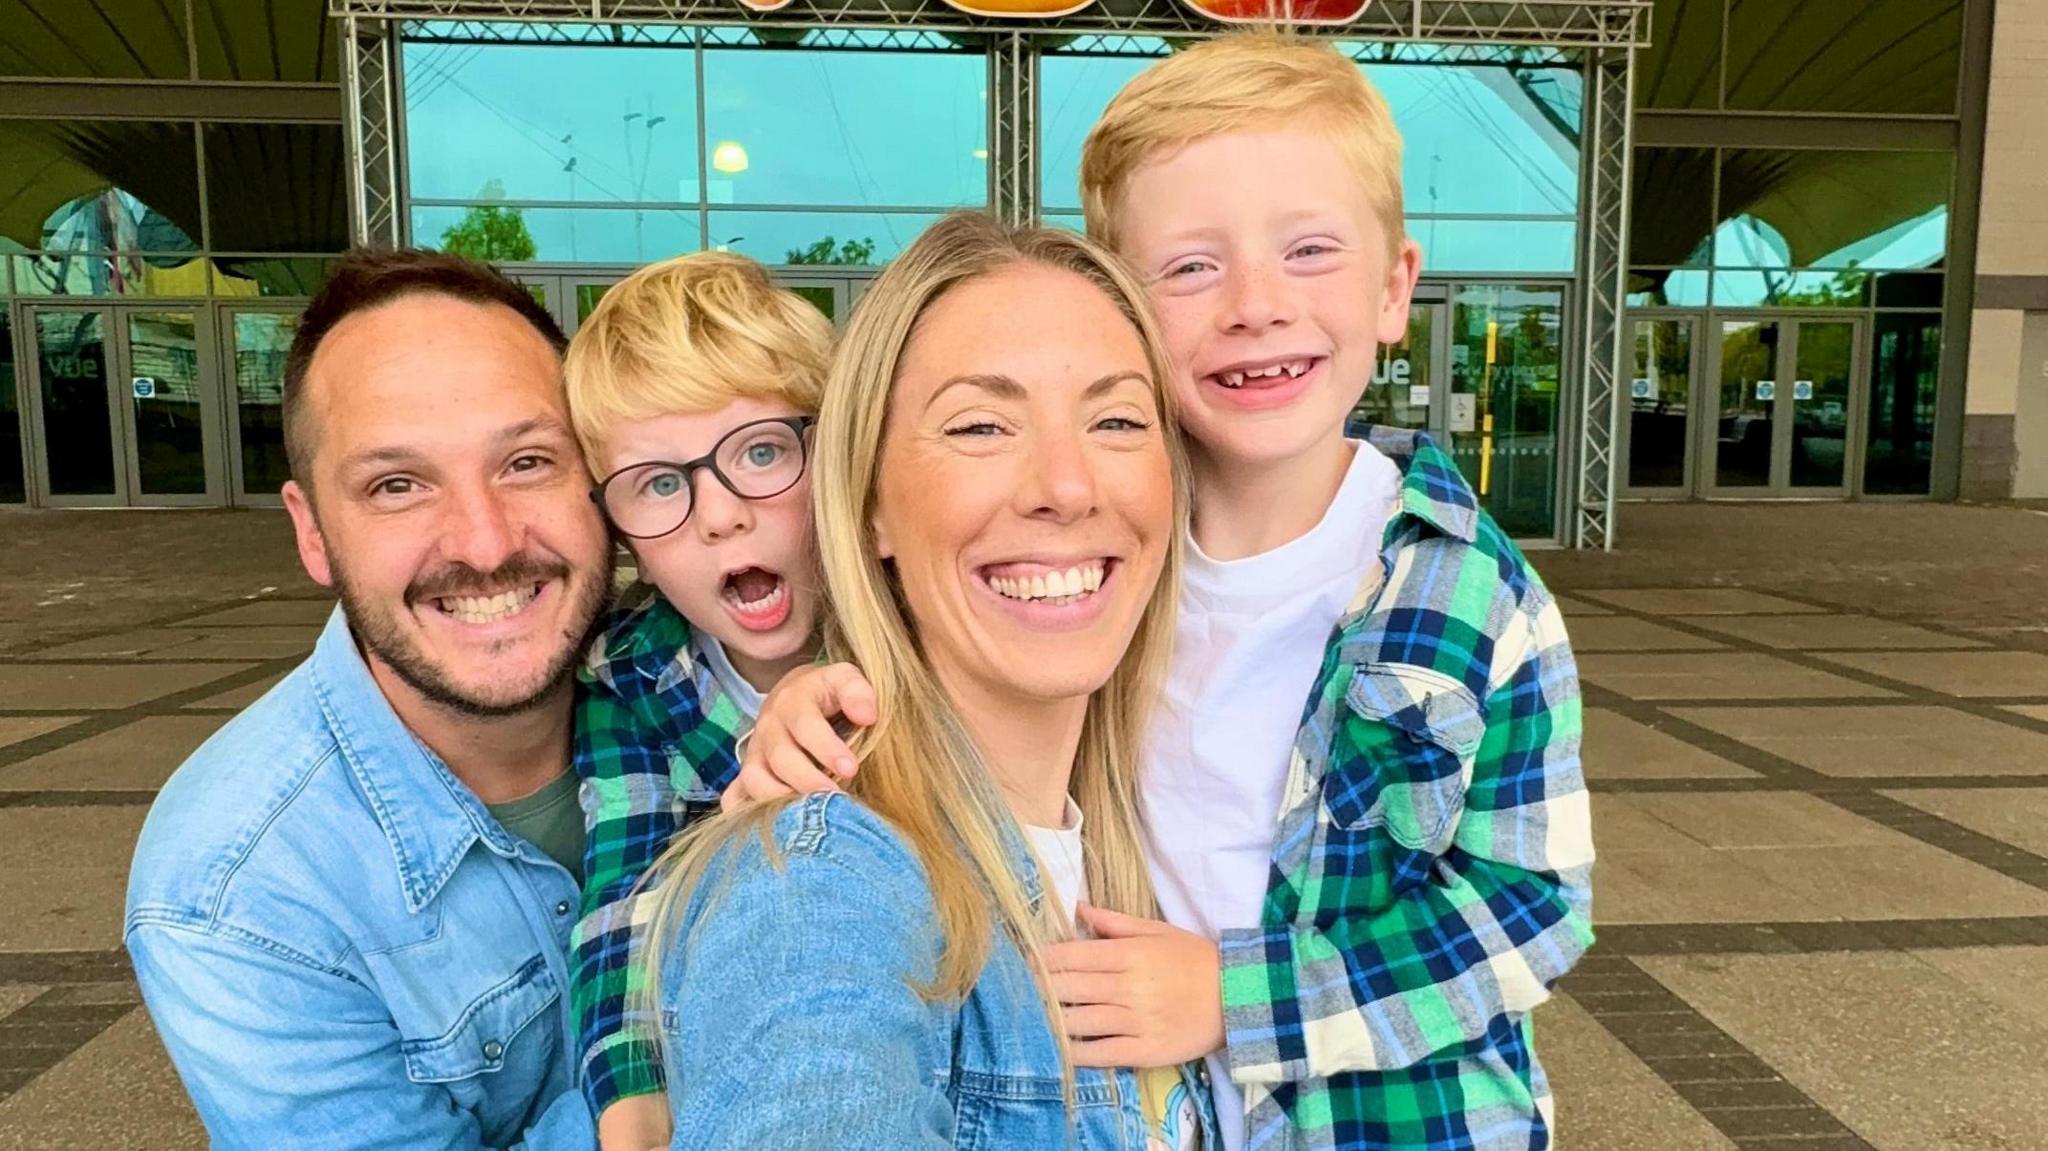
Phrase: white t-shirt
pixel 1250 642
pixel 745 696
pixel 1171 1121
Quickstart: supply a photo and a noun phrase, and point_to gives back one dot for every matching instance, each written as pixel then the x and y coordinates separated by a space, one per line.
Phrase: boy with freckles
pixel 1369 831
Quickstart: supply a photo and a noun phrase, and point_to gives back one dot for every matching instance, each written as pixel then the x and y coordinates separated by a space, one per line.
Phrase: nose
pixel 479 530
pixel 1059 480
pixel 716 513
pixel 1257 299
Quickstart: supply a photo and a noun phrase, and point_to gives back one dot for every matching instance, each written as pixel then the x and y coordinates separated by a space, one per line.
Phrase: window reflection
pixel 13 489
pixel 1899 452
pixel 1506 354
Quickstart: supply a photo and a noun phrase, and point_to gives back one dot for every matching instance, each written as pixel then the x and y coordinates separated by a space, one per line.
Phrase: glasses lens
pixel 650 500
pixel 762 460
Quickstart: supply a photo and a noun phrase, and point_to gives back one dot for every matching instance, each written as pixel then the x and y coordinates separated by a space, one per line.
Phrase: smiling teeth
pixel 488 609
pixel 1070 584
pixel 758 606
pixel 1292 369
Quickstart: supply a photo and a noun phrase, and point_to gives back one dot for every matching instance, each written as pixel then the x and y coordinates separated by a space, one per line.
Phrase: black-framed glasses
pixel 755 461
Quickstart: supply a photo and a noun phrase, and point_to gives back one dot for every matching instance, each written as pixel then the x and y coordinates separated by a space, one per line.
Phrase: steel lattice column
pixel 1013 128
pixel 1604 254
pixel 369 85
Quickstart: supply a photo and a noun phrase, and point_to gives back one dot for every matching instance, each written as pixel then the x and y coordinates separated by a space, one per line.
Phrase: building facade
pixel 1794 317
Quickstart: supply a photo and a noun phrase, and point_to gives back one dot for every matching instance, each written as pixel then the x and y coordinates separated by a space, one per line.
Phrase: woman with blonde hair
pixel 1000 500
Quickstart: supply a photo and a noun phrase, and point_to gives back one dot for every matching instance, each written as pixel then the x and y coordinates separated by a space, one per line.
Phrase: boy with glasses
pixel 692 388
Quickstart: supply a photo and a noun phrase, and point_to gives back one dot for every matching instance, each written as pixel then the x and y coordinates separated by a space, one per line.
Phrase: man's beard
pixel 382 635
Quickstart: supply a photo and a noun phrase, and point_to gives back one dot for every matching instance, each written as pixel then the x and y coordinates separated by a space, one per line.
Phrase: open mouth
pixel 756 597
pixel 478 610
pixel 1039 583
pixel 1265 376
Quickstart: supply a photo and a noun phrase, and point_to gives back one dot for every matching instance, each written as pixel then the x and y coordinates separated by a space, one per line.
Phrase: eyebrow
pixel 400 454
pixel 1006 388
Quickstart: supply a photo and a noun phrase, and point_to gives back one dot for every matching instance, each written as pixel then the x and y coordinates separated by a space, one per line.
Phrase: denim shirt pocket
pixel 482 1040
pixel 1406 768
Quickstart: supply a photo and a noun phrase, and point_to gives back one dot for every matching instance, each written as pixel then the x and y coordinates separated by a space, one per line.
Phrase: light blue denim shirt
pixel 791 1020
pixel 340 946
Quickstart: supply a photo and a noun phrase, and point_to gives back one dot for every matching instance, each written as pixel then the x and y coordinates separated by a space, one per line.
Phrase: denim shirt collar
pixel 429 816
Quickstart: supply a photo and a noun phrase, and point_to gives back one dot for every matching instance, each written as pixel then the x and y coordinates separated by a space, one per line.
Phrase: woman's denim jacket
pixel 791 1019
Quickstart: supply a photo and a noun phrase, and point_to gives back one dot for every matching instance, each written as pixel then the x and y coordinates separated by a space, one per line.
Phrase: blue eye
pixel 663 485
pixel 763 455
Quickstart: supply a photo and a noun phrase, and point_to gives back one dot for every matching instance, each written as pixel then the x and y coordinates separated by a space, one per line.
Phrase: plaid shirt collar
pixel 1433 491
pixel 647 637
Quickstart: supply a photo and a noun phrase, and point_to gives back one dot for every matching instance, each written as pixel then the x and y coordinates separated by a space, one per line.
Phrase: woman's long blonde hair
pixel 919 769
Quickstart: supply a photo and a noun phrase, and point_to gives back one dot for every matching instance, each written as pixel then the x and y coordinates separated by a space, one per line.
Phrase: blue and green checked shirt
pixel 1432 865
pixel 655 745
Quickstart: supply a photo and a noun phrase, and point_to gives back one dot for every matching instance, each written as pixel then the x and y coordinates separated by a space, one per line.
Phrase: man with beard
pixel 349 910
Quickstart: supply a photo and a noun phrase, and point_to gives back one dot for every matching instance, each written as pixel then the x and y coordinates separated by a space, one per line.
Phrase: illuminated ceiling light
pixel 729 157
pixel 981 153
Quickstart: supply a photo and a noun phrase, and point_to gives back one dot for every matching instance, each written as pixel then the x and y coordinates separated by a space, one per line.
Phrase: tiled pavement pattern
pixel 1823 887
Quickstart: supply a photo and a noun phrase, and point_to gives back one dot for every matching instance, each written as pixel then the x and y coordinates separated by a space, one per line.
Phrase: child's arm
pixel 629 811
pixel 1482 931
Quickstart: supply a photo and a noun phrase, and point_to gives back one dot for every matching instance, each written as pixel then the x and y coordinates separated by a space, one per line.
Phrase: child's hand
pixel 794 736
pixel 1140 994
pixel 634 1123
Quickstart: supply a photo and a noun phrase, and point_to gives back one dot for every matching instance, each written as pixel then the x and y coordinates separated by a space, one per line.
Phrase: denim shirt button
pixel 562 908
pixel 493 1049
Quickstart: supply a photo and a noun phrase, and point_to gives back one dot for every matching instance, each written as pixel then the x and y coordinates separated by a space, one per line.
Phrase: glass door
pixel 1403 391
pixel 1787 403
pixel 1656 425
pixel 126 407
pixel 259 339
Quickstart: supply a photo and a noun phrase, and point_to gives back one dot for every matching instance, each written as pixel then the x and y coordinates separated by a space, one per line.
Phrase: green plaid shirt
pixel 1432 867
pixel 655 745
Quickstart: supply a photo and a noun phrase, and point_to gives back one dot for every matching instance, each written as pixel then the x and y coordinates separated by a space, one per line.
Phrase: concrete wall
pixel 2005 430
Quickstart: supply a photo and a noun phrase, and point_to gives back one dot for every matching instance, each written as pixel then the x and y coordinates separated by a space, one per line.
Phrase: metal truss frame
pixel 1605 153
pixel 1605 33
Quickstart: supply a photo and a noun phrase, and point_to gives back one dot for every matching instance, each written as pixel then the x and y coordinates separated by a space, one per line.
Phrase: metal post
pixel 1013 128
pixel 367 76
pixel 1603 264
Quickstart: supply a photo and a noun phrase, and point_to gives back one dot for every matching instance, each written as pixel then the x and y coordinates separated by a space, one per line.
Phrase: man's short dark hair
pixel 369 277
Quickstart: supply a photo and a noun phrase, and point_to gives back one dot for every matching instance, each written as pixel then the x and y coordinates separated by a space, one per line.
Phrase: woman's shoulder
pixel 831 846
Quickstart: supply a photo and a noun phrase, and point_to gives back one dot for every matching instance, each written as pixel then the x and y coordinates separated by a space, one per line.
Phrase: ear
pixel 883 548
pixel 1396 293
pixel 306 528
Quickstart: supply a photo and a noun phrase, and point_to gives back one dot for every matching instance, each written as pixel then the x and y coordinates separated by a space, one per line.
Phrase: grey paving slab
pixel 1762 819
pixel 1607 1100
pixel 2011 977
pixel 1827 632
pixel 1686 883
pixel 13 996
pixel 175 643
pixel 100 687
pixel 119 1090
pixel 238 698
pixel 1626 633
pixel 1718 675
pixel 1963 673
pixel 269 613
pixel 1621 824
pixel 1698 601
pixel 2031 710
pixel 1905 1055
pixel 67 872
pixel 15 728
pixel 136 756
pixel 1575 608
pixel 1617 747
pixel 1881 740
pixel 2018 816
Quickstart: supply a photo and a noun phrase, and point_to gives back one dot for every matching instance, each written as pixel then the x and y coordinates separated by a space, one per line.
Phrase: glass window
pixel 897 129
pixel 1667 288
pixel 76 416
pixel 1909 290
pixel 499 233
pixel 79 185
pixel 1899 449
pixel 272 40
pixel 1682 66
pixel 853 239
pixel 1506 353
pixel 13 489
pixel 1845 56
pixel 1778 288
pixel 1671 206
pixel 1660 398
pixel 258 276
pixel 103 40
pixel 98 274
pixel 479 127
pixel 262 340
pixel 1813 209
pixel 1496 245
pixel 276 188
pixel 1479 139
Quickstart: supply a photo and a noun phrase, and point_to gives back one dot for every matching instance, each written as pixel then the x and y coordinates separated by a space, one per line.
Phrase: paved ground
pixel 1817 737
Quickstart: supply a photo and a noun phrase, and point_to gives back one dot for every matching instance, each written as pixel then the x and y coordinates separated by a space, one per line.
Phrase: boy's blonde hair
pixel 692 334
pixel 1243 82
